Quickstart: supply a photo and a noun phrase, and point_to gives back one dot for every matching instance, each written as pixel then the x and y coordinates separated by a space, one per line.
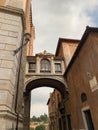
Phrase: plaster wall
pixel 83 78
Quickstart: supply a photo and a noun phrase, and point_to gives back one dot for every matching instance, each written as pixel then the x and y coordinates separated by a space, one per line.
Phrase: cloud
pixel 60 18
pixel 38 109
pixel 39 98
pixel 41 95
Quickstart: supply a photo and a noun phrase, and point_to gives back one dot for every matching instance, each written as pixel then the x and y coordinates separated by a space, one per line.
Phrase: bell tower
pixel 15 43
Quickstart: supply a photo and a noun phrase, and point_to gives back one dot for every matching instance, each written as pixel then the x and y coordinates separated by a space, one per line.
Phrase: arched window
pixel 45 65
pixel 83 97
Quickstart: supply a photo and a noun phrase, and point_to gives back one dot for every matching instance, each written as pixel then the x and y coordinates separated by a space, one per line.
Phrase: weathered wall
pixel 16 3
pixel 66 49
pixel 11 29
pixel 15 20
pixel 53 110
pixel 81 79
pixel 2 2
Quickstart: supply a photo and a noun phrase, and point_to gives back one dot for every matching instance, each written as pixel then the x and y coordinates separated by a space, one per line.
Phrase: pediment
pixel 44 53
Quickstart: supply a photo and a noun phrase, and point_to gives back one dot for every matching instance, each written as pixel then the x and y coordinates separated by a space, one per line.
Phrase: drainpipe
pixel 24 41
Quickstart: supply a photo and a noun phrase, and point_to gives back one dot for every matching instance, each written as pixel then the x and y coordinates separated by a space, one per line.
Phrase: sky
pixel 39 101
pixel 54 19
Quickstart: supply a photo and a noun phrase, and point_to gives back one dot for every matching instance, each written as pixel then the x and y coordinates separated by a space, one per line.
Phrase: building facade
pixel 66 48
pixel 56 111
pixel 15 27
pixel 81 106
pixel 81 76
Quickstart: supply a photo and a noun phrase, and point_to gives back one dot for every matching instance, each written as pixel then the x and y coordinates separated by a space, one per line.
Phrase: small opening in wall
pixel 83 97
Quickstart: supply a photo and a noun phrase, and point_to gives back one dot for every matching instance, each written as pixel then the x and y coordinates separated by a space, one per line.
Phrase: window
pixel 57 67
pixel 32 67
pixel 45 65
pixel 83 97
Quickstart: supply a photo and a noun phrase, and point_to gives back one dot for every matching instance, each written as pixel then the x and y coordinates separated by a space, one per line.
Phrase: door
pixel 60 124
pixel 89 120
pixel 69 122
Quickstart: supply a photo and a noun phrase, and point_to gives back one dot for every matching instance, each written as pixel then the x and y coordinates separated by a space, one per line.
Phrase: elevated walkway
pixel 44 69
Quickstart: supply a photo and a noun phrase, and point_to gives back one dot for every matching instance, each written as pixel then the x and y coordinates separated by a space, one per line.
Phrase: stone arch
pixel 53 82
pixel 36 82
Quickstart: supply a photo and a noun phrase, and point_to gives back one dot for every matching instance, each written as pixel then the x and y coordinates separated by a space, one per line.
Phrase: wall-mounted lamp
pixel 27 37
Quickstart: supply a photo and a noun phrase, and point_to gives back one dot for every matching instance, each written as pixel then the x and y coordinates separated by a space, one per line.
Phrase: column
pixel 52 66
pixel 37 65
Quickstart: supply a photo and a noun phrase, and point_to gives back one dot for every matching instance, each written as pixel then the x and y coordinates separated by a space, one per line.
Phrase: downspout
pixel 17 86
pixel 24 40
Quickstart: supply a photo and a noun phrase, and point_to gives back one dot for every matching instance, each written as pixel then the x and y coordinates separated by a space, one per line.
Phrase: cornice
pixel 15 11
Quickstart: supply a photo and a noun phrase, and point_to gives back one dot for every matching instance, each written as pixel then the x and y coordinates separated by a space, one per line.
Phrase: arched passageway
pixel 36 83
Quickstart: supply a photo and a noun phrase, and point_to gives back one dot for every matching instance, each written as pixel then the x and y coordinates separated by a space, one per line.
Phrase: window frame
pixel 45 65
pixel 58 67
pixel 33 68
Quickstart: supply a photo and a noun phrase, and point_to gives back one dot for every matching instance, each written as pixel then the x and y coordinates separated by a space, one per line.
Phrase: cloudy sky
pixel 39 101
pixel 59 18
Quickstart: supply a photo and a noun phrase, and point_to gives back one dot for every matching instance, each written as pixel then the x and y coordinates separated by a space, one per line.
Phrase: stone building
pixel 80 103
pixel 56 117
pixel 43 69
pixel 15 30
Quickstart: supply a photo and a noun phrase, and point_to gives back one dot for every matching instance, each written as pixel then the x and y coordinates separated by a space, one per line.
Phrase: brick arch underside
pixel 46 82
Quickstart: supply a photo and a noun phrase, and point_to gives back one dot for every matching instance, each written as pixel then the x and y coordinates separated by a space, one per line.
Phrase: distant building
pixel 55 117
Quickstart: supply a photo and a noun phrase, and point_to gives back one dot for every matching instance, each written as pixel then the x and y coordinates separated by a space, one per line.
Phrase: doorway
pixel 88 118
pixel 69 122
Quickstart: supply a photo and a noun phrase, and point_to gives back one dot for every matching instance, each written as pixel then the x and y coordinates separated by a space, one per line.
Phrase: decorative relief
pixel 93 83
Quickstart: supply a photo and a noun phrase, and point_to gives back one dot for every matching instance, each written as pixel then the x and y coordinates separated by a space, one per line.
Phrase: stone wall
pixel 11 29
pixel 16 3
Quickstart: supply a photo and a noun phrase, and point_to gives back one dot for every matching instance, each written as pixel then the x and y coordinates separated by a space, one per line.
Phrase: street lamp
pixel 27 37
